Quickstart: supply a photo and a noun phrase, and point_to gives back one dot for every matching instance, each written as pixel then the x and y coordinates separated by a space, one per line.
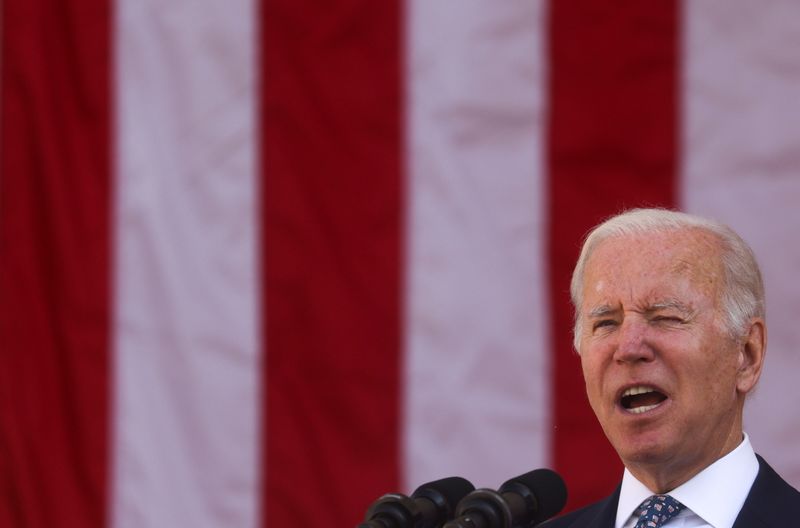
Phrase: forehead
pixel 650 267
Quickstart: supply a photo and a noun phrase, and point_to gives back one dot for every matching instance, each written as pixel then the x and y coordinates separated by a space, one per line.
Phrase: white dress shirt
pixel 713 497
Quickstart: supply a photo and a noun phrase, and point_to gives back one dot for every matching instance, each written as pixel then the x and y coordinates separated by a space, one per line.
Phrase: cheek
pixel 715 379
pixel 586 367
pixel 592 377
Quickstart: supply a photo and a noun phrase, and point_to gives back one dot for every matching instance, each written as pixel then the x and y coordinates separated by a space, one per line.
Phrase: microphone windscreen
pixel 446 492
pixel 549 489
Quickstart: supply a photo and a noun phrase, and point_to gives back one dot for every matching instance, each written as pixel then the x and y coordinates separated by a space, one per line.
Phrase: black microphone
pixel 522 502
pixel 429 506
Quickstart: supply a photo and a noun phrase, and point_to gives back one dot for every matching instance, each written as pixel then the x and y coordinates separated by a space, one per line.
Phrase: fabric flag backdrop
pixel 261 263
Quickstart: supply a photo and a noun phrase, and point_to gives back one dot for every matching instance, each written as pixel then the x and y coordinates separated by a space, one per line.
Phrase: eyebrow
pixel 669 303
pixel 604 309
pixel 601 311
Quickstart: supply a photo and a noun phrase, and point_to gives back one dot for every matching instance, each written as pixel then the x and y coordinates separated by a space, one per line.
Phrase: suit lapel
pixel 607 512
pixel 601 514
pixel 765 504
pixel 748 518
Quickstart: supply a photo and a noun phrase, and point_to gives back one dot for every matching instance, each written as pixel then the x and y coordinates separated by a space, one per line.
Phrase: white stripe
pixel 477 383
pixel 185 416
pixel 742 160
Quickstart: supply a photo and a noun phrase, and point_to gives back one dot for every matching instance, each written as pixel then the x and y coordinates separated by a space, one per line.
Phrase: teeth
pixel 641 389
pixel 645 408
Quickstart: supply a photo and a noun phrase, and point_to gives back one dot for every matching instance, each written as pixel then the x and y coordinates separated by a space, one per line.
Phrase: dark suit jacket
pixel 769 504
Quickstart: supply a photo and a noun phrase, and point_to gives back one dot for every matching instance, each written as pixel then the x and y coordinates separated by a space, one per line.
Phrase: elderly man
pixel 671 335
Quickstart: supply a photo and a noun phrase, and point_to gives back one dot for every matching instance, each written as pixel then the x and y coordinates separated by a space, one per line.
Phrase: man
pixel 671 335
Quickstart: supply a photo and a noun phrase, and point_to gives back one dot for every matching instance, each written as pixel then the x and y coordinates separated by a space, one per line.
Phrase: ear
pixel 751 356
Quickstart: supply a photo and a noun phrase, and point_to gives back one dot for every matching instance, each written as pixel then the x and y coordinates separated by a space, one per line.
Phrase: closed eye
pixel 604 322
pixel 668 319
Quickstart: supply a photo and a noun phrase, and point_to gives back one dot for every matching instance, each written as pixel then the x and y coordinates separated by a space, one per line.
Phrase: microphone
pixel 429 506
pixel 522 502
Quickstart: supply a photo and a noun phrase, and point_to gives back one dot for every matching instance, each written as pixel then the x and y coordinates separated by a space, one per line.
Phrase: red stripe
pixel 54 258
pixel 612 144
pixel 331 144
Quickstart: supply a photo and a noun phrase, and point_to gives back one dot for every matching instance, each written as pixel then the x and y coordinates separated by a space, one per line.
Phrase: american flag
pixel 262 262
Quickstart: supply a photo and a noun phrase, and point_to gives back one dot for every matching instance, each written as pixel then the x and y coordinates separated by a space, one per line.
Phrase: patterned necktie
pixel 656 510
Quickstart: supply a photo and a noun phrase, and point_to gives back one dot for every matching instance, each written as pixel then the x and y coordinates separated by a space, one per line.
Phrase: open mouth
pixel 641 399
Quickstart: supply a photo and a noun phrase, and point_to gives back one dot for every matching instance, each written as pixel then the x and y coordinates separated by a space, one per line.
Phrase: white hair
pixel 742 296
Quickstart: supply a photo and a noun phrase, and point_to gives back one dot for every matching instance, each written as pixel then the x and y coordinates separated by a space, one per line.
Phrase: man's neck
pixel 663 476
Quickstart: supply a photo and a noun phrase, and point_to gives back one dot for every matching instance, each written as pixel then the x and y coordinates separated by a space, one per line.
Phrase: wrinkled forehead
pixel 655 262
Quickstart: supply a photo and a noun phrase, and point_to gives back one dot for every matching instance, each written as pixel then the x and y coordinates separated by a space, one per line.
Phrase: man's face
pixel 662 374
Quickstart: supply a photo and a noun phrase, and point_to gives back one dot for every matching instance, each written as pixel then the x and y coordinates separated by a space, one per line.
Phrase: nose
pixel 633 345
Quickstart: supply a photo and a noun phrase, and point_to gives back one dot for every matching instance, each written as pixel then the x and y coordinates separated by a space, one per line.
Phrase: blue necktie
pixel 656 510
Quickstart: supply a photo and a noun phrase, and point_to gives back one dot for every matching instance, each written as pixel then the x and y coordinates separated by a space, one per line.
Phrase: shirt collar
pixel 716 494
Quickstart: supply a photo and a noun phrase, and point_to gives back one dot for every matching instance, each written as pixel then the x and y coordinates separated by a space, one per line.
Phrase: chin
pixel 643 456
pixel 643 450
